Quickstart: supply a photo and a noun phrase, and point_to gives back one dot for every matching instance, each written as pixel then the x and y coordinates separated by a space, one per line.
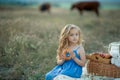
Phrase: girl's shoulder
pixel 81 48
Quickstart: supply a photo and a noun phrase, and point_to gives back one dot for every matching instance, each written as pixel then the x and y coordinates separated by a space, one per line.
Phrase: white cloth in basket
pixel 116 61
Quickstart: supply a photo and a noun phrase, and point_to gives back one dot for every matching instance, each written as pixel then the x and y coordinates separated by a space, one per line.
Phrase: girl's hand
pixel 62 57
pixel 61 60
pixel 71 54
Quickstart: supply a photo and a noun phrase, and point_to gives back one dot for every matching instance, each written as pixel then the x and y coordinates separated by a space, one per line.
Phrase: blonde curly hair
pixel 63 40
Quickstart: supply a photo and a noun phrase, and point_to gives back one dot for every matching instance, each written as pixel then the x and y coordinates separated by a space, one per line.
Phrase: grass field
pixel 29 38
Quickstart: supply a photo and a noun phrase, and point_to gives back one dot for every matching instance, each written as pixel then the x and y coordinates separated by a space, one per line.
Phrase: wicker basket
pixel 101 69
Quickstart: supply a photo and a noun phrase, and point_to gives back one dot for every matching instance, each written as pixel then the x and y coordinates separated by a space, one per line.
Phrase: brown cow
pixel 45 7
pixel 88 6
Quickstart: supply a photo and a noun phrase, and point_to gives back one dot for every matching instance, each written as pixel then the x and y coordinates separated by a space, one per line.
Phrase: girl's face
pixel 73 36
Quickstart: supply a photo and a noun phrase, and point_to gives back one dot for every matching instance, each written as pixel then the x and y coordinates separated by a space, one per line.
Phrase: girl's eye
pixel 76 34
pixel 71 34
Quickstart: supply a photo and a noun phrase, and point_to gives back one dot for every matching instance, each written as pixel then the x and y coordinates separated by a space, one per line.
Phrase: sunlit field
pixel 29 38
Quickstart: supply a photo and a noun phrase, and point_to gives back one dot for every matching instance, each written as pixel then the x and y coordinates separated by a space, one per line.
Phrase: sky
pixel 56 0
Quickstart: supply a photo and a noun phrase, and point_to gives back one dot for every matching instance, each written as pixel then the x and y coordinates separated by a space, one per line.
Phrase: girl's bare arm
pixel 60 61
pixel 82 60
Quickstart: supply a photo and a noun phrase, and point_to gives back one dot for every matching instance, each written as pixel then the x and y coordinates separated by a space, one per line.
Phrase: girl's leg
pixel 49 76
pixel 53 73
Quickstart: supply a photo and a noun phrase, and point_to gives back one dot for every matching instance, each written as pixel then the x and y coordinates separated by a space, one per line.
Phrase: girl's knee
pixel 48 76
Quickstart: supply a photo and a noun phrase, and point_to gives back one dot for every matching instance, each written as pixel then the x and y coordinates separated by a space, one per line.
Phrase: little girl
pixel 70 39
